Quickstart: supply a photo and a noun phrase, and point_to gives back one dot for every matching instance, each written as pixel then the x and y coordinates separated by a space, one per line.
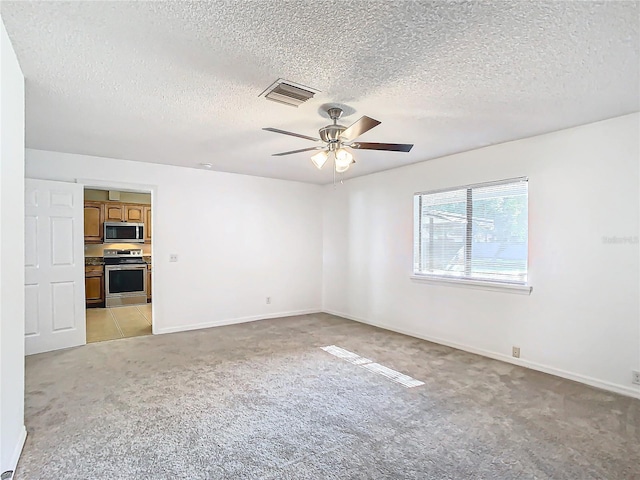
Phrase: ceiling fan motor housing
pixel 331 133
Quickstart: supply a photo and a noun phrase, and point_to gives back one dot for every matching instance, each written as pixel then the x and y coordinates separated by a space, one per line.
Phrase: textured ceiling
pixel 178 82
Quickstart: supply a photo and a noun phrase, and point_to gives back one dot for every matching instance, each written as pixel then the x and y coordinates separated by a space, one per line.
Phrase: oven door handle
pixel 136 267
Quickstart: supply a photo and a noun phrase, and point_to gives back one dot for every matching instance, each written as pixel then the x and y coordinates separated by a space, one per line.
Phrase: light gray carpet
pixel 263 401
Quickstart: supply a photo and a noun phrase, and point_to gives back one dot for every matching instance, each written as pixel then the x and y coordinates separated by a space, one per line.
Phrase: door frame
pixel 134 188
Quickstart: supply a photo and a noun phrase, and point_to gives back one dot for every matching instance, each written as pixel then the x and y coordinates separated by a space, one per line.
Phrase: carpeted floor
pixel 263 401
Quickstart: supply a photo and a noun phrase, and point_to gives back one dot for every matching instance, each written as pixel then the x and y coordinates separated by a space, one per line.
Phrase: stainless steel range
pixel 125 277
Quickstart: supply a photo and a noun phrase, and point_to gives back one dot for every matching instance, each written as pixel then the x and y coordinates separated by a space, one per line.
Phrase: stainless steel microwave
pixel 123 232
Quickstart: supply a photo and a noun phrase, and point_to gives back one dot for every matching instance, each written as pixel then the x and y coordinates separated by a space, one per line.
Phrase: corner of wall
pixel 12 430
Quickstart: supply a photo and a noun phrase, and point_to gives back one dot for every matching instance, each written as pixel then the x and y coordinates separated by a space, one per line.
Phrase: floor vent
pixel 288 93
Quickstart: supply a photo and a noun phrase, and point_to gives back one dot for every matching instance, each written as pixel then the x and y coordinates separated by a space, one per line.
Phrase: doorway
pixel 118 263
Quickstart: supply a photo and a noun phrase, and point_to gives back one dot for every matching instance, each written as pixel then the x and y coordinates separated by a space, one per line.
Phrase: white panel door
pixel 54 266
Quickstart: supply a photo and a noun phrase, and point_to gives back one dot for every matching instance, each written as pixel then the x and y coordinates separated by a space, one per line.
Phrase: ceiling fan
pixel 337 138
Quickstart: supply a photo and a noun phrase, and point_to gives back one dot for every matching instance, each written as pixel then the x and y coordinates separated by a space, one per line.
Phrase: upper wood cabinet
pixel 93 221
pixel 134 213
pixel 114 212
pixel 96 213
pixel 147 224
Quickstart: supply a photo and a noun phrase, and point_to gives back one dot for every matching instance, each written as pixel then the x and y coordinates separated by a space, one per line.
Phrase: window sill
pixel 478 284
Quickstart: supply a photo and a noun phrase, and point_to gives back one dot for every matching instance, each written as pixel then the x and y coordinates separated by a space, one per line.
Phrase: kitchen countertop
pixel 96 261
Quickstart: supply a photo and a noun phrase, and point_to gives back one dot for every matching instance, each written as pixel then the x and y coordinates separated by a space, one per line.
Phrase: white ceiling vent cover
pixel 289 93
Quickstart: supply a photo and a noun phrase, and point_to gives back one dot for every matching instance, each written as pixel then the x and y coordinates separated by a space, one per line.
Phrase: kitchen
pixel 118 267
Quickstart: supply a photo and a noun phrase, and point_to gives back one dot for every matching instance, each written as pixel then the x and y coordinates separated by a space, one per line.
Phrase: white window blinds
pixel 476 232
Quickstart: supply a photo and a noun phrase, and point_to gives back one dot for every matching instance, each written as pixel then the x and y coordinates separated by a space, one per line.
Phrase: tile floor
pixel 118 322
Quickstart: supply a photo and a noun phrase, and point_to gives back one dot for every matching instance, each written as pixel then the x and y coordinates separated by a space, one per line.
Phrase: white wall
pixel 243 238
pixel 12 431
pixel 238 239
pixel 582 319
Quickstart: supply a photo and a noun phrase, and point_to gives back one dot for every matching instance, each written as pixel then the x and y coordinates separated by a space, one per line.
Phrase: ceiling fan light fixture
pixel 319 159
pixel 343 160
pixel 342 168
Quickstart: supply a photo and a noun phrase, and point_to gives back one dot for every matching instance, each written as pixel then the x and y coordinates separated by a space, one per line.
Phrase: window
pixel 477 232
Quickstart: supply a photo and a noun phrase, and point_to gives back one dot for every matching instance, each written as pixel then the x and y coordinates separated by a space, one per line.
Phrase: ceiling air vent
pixel 289 93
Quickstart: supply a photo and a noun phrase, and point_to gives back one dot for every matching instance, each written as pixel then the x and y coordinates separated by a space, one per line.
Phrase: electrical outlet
pixel 515 352
pixel 173 257
pixel 268 300
pixel 636 377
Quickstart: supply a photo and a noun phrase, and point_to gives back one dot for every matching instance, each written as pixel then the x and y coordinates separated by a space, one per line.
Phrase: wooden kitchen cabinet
pixel 94 285
pixel 134 213
pixel 93 222
pixel 147 224
pixel 114 212
pixel 96 213
pixel 148 283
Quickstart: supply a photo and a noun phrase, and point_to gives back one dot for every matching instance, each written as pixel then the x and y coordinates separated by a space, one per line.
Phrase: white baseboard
pixel 17 451
pixel 594 382
pixel 233 321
